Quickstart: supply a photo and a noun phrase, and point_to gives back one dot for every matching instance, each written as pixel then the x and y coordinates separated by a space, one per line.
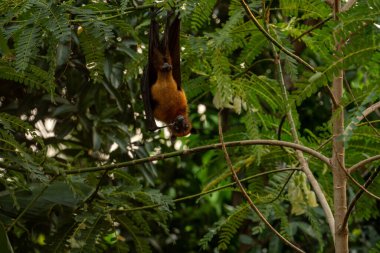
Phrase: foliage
pixel 70 102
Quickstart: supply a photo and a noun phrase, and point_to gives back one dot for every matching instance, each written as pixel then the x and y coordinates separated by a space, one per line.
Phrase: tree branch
pixel 365 113
pixel 31 203
pixel 270 38
pixel 357 183
pixel 282 188
pixel 205 192
pixel 357 196
pixel 363 163
pixel 368 111
pixel 311 29
pixel 95 193
pixel 305 166
pixel 348 5
pixel 310 151
pixel 119 12
pixel 245 194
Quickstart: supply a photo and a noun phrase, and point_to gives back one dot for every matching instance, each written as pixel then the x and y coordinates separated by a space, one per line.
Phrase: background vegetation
pixel 74 153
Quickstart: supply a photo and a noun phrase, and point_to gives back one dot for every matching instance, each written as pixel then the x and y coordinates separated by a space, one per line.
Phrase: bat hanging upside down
pixel 164 98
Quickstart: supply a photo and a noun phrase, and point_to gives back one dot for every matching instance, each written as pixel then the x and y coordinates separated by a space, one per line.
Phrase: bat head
pixel 181 126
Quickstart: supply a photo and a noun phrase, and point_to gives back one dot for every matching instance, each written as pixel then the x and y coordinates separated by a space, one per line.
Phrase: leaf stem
pixel 270 38
pixel 200 194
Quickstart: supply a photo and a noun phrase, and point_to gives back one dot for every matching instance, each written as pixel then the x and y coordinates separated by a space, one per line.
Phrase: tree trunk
pixel 337 159
pixel 337 162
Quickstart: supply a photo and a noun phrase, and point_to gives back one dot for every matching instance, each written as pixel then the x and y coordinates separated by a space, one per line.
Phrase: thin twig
pixel 362 163
pixel 245 194
pixel 357 196
pixel 311 29
pixel 366 112
pixel 307 150
pixel 30 204
pixel 119 11
pixel 348 5
pixel 368 123
pixel 93 195
pixel 200 194
pixel 356 182
pixel 270 38
pixel 282 189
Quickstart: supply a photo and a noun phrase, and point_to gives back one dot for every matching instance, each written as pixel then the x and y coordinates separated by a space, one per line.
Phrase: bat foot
pixel 166 67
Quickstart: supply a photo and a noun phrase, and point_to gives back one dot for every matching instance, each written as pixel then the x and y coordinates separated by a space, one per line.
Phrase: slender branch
pixel 206 192
pixel 356 182
pixel 365 113
pixel 244 192
pixel 368 111
pixel 95 193
pixel 348 5
pixel 310 151
pixel 304 163
pixel 270 38
pixel 311 29
pixel 357 196
pixel 282 188
pixel 30 204
pixel 119 12
pixel 370 122
pixel 362 163
pixel 361 186
pixel 133 8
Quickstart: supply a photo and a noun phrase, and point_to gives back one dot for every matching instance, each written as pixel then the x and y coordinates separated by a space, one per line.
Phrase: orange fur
pixel 171 102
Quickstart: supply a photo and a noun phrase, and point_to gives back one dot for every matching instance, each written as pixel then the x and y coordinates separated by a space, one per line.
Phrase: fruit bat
pixel 163 96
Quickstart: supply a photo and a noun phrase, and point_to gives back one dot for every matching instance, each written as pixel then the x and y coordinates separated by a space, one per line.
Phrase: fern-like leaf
pixel 202 13
pixel 26 46
pixel 231 225
pixel 141 244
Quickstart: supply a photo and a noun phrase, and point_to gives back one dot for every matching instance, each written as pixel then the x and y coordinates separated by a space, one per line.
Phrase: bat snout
pixel 166 67
pixel 180 126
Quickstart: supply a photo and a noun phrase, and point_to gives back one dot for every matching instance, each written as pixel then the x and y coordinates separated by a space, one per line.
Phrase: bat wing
pixel 150 75
pixel 171 41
